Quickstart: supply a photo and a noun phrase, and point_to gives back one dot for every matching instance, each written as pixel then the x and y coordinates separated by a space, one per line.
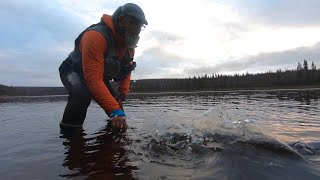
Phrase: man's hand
pixel 118 119
pixel 119 122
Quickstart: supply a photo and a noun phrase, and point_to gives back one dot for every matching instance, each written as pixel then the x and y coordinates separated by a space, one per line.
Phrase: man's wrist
pixel 117 112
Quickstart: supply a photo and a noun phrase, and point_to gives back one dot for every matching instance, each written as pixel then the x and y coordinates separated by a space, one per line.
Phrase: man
pixel 104 51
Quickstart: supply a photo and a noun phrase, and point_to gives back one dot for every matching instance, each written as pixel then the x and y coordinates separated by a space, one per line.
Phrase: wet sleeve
pixel 92 47
pixel 124 84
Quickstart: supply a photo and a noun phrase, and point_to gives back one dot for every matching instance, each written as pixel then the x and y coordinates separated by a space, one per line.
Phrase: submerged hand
pixel 118 119
pixel 119 122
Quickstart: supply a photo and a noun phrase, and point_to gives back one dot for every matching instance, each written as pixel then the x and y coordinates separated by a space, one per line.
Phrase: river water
pixel 201 135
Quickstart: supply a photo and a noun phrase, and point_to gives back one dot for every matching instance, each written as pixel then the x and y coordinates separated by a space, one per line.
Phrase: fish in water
pixel 305 149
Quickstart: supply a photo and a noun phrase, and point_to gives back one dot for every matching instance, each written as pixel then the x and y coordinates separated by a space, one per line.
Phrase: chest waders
pixel 71 75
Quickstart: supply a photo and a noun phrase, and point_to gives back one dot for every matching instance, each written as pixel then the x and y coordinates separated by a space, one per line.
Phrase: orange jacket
pixel 93 47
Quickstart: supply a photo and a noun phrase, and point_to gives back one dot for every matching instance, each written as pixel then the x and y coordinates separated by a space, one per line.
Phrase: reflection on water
pixel 99 156
pixel 207 135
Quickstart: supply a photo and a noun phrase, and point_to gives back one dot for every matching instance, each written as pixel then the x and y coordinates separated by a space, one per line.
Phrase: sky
pixel 184 38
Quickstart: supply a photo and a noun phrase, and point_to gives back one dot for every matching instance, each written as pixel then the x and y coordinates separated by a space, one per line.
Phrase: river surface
pixel 203 135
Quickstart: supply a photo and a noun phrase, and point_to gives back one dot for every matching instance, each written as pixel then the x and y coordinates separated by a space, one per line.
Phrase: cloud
pixel 25 68
pixel 181 40
pixel 263 62
pixel 164 37
pixel 278 12
pixel 36 36
pixel 36 21
pixel 157 63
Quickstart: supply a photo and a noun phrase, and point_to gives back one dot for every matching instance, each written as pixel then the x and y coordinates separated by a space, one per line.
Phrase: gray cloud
pixel 278 12
pixel 164 37
pixel 264 62
pixel 36 21
pixel 35 36
pixel 234 30
pixel 30 69
pixel 155 62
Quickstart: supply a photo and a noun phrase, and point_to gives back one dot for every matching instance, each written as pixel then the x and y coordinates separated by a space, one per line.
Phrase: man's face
pixel 131 26
pixel 132 29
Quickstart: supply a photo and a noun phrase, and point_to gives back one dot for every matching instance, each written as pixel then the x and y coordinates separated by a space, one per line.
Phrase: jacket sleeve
pixel 93 46
pixel 124 84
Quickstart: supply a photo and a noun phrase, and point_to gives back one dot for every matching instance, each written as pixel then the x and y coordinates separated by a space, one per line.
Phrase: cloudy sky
pixel 184 37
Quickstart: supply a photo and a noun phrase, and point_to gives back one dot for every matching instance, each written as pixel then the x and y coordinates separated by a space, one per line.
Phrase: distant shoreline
pixel 230 91
pixel 34 91
pixel 301 78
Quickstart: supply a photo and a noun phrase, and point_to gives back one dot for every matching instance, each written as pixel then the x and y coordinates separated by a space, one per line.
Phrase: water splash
pixel 213 130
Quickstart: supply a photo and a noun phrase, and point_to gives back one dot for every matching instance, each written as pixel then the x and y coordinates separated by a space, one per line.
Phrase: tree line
pixel 303 75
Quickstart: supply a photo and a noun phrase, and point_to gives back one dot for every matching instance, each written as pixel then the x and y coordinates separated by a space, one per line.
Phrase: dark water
pixel 233 135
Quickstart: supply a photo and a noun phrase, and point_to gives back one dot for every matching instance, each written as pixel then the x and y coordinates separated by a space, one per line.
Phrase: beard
pixel 131 39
